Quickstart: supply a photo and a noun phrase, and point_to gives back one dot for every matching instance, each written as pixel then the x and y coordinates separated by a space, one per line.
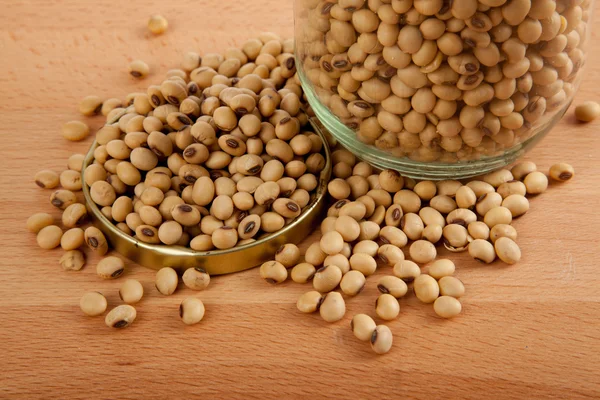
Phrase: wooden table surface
pixel 527 330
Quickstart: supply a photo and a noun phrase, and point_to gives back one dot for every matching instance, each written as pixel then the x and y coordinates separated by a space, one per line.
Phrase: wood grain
pixel 530 330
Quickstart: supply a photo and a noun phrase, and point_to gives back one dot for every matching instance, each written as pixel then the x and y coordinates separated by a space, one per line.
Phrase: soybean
pixel 561 172
pixel 536 182
pixel 422 251
pixel 62 199
pixel 166 281
pixel 339 260
pixel 110 268
pixel 49 237
pixel 392 285
pixel 517 205
pixel 310 302
pixel 447 307
pixel 387 307
pixel 426 288
pixel 75 131
pixel 93 304
pixel 507 250
pixel 362 327
pixel 72 260
pixel 381 339
pixel 96 240
pixel 327 278
pixel 196 278
pixel 482 250
pixel 522 169
pixel 498 215
pixel 332 242
pixel 348 228
pixel 139 69
pixel 503 230
pixel 72 239
pixel 131 291
pixel 364 263
pixel 407 270
pixel 191 311
pixel 273 272
pixel 352 283
pixel 120 317
pixel 303 272
pixel 441 268
pixel 47 179
pixel 333 307
pixel 587 111
pixel 90 105
pixel 38 221
pixel 157 24
pixel 314 255
pixel 451 286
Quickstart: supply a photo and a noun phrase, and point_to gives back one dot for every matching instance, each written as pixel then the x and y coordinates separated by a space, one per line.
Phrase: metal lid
pixel 215 262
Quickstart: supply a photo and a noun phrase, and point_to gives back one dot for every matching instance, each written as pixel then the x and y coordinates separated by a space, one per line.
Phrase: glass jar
pixel 439 88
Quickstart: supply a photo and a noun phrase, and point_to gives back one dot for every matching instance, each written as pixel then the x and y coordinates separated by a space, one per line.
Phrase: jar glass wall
pixel 439 88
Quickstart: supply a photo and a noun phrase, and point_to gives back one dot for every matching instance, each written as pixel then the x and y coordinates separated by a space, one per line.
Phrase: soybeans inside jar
pixel 442 88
